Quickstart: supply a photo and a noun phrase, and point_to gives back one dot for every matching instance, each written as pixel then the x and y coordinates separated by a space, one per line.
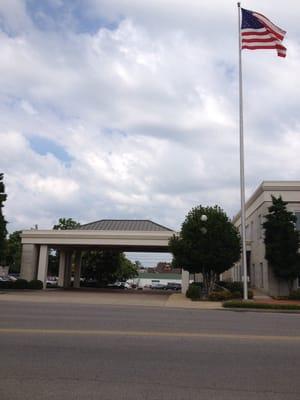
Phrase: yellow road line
pixel 146 334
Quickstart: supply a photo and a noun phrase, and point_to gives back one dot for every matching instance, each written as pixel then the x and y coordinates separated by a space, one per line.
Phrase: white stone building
pixel 259 273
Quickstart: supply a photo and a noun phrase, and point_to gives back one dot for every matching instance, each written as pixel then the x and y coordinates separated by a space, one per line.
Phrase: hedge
pixel 295 295
pixel 35 284
pixel 266 306
pixel 195 292
pixel 21 284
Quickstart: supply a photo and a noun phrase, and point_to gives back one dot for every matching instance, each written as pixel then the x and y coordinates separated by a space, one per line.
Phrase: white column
pixel 62 268
pixel 29 261
pixel 185 280
pixel 43 264
pixel 77 272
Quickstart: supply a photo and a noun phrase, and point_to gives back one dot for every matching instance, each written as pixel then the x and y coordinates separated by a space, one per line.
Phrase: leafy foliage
pixel 66 223
pixel 3 230
pixel 295 295
pixel 35 284
pixel 126 269
pixel 107 266
pixel 193 292
pixel 20 284
pixel 14 250
pixel 219 295
pixel 210 247
pixel 282 241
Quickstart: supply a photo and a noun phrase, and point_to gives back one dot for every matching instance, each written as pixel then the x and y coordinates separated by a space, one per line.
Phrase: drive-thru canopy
pixel 122 235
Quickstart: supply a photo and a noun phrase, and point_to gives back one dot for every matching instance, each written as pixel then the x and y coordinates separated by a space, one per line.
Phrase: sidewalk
pixel 179 300
pixel 260 295
pixel 176 300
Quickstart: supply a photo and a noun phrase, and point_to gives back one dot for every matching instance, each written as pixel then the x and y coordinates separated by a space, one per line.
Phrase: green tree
pixel 282 241
pixel 138 264
pixel 3 230
pixel 107 266
pixel 208 246
pixel 66 223
pixel 126 269
pixel 101 265
pixel 14 251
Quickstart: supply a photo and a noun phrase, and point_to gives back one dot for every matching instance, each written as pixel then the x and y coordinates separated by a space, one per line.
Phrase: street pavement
pixel 97 351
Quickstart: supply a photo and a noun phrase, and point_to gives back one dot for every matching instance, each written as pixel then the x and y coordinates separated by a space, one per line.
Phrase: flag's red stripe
pixel 262 20
pixel 249 47
pixel 259 40
pixel 280 52
pixel 254 32
pixel 280 37
pixel 258 47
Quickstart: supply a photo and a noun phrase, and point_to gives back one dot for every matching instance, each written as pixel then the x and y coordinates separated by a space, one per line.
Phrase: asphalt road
pixel 52 351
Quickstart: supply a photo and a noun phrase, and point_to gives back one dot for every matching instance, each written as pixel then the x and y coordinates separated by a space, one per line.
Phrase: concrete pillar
pixel 68 270
pixel 185 281
pixel 43 264
pixel 29 260
pixel 77 272
pixel 62 268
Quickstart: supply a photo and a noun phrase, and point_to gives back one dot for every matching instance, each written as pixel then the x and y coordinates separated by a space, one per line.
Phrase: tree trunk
pixel 209 280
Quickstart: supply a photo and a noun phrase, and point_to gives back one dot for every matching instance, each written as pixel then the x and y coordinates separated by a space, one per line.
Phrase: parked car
pixel 158 286
pixel 173 286
pixel 119 285
pixel 52 282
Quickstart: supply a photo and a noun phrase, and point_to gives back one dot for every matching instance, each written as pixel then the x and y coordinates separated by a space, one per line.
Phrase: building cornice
pixel 269 186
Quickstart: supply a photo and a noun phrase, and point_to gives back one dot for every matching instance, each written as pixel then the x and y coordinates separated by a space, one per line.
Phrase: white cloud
pixel 147 111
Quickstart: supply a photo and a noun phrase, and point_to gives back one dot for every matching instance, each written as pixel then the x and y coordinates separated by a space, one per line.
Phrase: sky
pixel 129 109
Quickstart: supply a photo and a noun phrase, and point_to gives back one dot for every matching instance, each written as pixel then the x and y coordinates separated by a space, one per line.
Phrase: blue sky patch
pixel 44 146
pixel 67 15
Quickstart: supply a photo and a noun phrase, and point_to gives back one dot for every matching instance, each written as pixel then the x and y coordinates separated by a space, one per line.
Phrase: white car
pixel 52 282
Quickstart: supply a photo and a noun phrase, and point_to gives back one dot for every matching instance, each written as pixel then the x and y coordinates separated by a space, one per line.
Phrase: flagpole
pixel 242 168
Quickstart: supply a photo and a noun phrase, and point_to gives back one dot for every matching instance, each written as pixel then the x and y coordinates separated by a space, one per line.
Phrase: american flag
pixel 258 32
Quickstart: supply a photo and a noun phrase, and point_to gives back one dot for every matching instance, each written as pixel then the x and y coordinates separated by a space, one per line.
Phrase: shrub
pixel 236 295
pixel 236 289
pixel 20 284
pixel 232 286
pixel 193 292
pixel 198 284
pixel 295 295
pixel 219 295
pixel 6 285
pixel 35 284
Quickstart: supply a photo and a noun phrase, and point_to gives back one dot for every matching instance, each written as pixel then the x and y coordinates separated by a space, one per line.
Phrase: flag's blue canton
pixel 249 21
